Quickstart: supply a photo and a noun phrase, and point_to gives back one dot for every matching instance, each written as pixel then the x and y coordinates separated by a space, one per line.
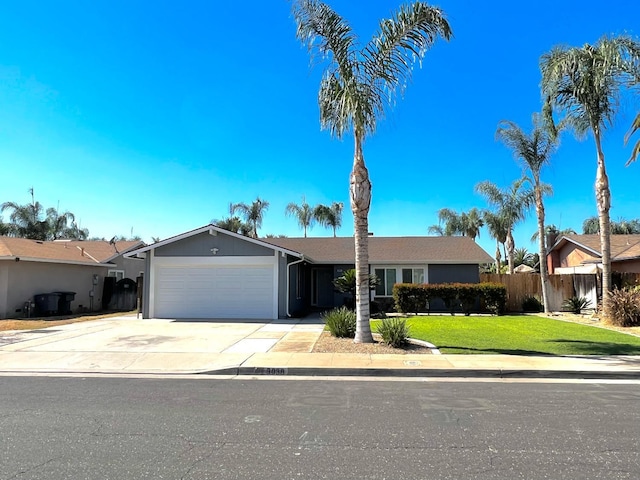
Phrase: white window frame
pixel 398 269
pixel 114 273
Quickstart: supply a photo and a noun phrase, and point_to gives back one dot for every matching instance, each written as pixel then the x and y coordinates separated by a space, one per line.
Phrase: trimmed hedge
pixel 414 298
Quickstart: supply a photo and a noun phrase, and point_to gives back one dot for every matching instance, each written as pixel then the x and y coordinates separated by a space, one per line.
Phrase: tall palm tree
pixel 534 151
pixel 329 216
pixel 303 213
pixel 253 214
pixel 356 89
pixel 584 83
pixel 512 205
pixel 498 227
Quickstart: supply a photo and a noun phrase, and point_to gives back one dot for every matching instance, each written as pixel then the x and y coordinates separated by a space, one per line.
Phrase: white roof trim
pixel 564 237
pixel 208 228
pixel 133 247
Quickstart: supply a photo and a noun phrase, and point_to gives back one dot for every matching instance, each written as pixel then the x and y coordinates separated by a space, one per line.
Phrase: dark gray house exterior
pixel 213 273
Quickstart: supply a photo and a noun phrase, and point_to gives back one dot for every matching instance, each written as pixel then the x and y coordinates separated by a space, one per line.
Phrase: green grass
pixel 519 335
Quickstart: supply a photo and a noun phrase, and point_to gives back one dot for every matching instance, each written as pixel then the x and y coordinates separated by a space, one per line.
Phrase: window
pixel 118 274
pixel 389 276
pixel 413 275
pixel 387 279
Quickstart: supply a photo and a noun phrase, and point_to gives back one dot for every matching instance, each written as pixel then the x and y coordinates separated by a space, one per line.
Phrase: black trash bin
pixel 64 302
pixel 47 303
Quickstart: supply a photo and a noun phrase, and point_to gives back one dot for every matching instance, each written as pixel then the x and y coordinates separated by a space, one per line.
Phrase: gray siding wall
pixel 201 245
pixel 282 285
pixel 146 280
pixel 340 298
pixel 454 273
pixel 131 266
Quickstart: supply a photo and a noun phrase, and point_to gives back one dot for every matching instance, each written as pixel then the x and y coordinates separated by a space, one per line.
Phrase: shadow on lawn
pixel 583 347
pixel 574 347
pixel 493 351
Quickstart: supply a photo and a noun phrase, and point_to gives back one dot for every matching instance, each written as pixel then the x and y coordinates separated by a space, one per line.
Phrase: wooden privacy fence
pixel 562 287
pixel 521 286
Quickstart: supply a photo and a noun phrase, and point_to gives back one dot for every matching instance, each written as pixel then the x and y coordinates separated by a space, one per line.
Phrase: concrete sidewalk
pixel 125 345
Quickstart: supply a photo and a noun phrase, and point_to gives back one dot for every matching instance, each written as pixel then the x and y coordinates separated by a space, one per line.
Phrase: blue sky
pixel 152 117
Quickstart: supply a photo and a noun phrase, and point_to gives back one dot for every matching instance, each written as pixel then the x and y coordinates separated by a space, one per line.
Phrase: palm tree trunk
pixel 544 274
pixel 498 257
pixel 603 199
pixel 510 244
pixel 360 196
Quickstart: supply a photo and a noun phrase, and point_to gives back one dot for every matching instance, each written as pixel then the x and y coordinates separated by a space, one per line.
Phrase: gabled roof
pixel 72 251
pixel 388 250
pixel 212 229
pixel 623 247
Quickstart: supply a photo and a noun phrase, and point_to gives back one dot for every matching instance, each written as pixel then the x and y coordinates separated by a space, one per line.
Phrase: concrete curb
pixel 423 372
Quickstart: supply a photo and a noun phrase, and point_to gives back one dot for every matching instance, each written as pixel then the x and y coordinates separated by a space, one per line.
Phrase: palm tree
pixel 498 228
pixel 467 224
pixel 533 150
pixel 329 216
pixel 253 214
pixel 591 226
pixel 356 90
pixel 584 83
pixel 511 204
pixel 470 223
pixel 551 234
pixel 303 214
pixel 27 220
pixel 233 224
pixel 448 223
pixel 521 256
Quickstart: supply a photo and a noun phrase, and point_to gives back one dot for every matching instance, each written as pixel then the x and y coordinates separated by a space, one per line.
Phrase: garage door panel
pixel 214 292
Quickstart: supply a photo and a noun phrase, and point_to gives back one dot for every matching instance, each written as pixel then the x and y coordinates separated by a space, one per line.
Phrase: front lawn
pixel 519 335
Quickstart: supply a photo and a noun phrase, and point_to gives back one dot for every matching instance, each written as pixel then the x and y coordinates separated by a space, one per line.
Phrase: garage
pixel 215 291
pixel 210 272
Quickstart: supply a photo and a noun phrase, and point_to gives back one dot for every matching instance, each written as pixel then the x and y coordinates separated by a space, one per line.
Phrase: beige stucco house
pixel 32 267
pixel 582 254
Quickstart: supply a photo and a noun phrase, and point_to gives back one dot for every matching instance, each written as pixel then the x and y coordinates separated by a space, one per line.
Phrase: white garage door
pixel 229 291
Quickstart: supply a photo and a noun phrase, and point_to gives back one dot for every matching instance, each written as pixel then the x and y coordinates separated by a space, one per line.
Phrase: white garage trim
pixel 228 266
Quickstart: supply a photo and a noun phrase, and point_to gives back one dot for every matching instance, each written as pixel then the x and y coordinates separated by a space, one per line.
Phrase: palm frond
pixel 402 40
pixel 635 152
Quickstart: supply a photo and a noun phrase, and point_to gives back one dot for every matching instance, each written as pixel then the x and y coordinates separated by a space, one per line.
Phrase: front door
pixel 322 287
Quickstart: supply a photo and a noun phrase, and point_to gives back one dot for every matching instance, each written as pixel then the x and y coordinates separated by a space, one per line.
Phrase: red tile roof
pixel 78 252
pixel 387 250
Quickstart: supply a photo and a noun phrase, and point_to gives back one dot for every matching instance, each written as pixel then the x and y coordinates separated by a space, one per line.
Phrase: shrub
pixel 411 298
pixel 531 304
pixel 394 331
pixel 576 304
pixel 494 296
pixel 341 322
pixel 625 307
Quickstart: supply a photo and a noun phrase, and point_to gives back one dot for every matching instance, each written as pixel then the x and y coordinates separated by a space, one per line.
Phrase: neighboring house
pixel 213 273
pixel 582 254
pixel 32 267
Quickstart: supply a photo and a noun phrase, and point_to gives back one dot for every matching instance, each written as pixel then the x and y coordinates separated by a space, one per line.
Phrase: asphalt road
pixel 124 428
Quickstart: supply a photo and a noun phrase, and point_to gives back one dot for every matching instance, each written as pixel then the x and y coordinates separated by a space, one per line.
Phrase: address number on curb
pixel 274 371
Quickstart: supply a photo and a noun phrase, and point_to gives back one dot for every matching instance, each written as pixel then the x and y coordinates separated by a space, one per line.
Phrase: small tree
pixel 346 283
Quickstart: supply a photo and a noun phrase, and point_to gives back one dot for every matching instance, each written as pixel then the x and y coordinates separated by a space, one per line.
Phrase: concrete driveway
pixel 126 344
